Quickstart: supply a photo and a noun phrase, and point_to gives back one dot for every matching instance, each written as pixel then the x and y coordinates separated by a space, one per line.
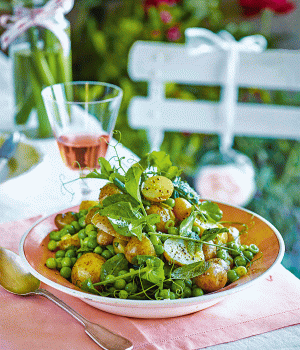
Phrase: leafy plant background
pixel 102 33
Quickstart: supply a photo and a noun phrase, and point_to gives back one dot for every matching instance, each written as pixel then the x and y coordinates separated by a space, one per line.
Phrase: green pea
pixel 155 239
pixel 164 294
pixel 248 255
pixel 52 245
pixel 76 225
pixel 82 234
pixel 79 255
pixel 66 262
pixel 235 253
pixel 92 243
pixel 232 276
pixel 222 254
pixel 51 263
pixel 58 263
pixel 253 248
pixel 92 234
pixel 172 296
pixel 240 261
pixel 188 283
pixel 241 271
pixel 60 254
pixel 187 292
pixel 159 249
pixel 197 292
pixel 70 229
pixel 233 245
pixel 120 284
pixel 55 235
pixel 109 278
pixel 170 202
pixel 70 253
pixel 131 287
pixel 178 286
pixel 244 247
pixel 89 227
pixel 106 254
pixel 73 261
pixel 81 222
pixel 98 250
pixel 65 272
pixel 123 294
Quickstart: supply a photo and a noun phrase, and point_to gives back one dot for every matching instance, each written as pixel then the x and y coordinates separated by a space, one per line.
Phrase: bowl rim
pixel 153 303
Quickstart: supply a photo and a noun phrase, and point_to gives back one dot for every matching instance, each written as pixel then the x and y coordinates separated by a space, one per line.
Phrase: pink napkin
pixel 35 323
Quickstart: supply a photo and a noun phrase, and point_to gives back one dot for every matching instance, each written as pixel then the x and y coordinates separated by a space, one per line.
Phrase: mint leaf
pixel 211 210
pixel 116 198
pixel 88 286
pixel 132 181
pixel 113 266
pixel 190 270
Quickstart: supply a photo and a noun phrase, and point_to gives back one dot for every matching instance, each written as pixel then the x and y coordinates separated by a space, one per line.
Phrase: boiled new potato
pixel 176 252
pixel 182 208
pixel 209 250
pixel 157 188
pixel 108 190
pixel 63 219
pixel 213 279
pixel 87 266
pixel 234 235
pixel 165 214
pixel 68 241
pixel 221 262
pixel 92 211
pixel 104 238
pixel 85 205
pixel 136 247
pixel 103 224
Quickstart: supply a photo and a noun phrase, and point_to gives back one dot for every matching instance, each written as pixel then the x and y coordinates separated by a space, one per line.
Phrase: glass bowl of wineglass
pixel 82 115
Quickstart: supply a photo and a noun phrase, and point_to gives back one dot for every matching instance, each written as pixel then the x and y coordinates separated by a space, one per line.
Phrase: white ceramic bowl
pixel 34 253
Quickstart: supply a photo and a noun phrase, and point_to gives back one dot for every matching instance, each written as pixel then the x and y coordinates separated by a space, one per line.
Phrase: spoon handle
pixel 102 336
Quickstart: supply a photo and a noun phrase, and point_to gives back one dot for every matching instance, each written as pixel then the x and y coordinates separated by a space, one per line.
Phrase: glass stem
pixel 84 187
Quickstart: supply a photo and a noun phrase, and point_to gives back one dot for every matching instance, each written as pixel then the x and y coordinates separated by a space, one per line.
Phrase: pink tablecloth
pixel 35 323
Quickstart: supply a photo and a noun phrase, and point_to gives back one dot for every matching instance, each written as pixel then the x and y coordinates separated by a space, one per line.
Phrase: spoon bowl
pixel 16 279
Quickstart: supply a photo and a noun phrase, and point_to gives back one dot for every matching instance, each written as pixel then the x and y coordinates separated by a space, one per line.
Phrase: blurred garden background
pixel 102 33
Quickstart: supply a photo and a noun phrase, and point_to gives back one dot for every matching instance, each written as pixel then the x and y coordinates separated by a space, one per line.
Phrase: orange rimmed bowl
pixel 34 253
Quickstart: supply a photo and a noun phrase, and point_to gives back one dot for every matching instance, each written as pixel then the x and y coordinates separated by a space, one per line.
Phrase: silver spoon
pixel 15 278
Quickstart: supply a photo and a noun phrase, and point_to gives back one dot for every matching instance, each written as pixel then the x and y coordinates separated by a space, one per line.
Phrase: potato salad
pixel 148 236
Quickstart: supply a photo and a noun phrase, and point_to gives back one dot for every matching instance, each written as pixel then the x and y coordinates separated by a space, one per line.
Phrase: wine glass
pixel 82 115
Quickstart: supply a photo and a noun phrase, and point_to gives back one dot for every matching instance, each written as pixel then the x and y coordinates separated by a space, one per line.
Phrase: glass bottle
pixel 39 60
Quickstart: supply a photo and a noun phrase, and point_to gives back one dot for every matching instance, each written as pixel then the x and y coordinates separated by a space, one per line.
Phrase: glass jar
pixel 39 60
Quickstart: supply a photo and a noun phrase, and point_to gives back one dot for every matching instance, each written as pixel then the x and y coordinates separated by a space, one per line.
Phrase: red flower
pixel 173 34
pixel 165 16
pixel 253 7
pixel 157 3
